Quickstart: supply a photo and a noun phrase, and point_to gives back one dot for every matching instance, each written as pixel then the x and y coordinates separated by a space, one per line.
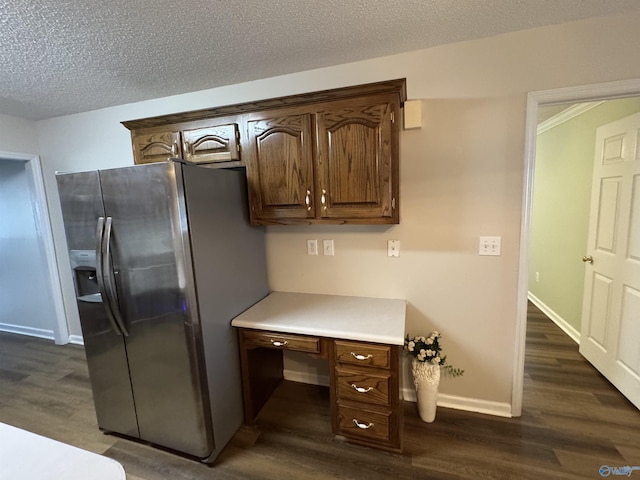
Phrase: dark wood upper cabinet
pixel 156 147
pixel 356 167
pixel 322 157
pixel 279 160
pixel 214 144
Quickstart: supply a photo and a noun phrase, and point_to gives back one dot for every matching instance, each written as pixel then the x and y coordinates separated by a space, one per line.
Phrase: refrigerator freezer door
pixel 81 202
pixel 156 293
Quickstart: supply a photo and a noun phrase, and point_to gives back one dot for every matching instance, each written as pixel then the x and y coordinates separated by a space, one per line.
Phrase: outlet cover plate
pixel 327 247
pixel 393 248
pixel 312 247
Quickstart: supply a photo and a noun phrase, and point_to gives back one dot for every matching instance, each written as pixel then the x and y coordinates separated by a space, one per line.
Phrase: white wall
pixel 461 177
pixel 17 135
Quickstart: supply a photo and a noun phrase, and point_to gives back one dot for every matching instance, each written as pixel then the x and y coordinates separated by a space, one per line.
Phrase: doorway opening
pixel 31 293
pixel 592 93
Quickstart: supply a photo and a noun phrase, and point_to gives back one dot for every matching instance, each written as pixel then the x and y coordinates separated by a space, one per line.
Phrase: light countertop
pixel 377 320
pixel 25 456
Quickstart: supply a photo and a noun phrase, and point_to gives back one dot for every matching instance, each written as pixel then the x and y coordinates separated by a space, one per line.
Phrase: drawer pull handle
pixel 361 357
pixel 362 425
pixel 307 200
pixel 361 389
pixel 279 344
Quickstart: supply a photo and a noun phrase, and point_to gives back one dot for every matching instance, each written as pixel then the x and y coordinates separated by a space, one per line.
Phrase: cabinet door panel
pixel 280 169
pixel 211 144
pixel 156 147
pixel 353 163
pixel 355 167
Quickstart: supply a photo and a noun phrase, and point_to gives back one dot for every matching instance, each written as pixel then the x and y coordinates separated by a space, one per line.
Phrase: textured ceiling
pixel 67 56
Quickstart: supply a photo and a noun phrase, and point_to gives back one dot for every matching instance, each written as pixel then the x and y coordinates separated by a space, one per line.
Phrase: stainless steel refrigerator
pixel 163 257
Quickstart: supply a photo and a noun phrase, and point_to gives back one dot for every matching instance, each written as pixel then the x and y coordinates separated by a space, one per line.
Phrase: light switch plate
pixel 490 246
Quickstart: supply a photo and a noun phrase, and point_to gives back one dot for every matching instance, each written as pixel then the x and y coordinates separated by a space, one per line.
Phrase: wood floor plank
pixel 585 465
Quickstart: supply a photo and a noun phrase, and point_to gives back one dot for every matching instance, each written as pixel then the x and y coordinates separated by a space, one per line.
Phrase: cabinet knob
pixel 185 147
pixel 174 149
pixel 323 199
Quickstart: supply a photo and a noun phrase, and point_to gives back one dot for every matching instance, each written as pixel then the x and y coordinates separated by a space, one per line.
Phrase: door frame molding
pixel 535 99
pixel 43 222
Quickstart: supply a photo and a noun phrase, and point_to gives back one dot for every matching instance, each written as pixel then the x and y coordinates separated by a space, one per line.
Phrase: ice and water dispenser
pixel 83 263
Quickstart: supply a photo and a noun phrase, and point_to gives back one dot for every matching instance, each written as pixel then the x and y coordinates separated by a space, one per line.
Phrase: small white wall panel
pixel 412 114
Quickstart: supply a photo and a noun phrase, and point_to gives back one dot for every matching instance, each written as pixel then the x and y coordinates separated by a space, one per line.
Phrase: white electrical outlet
pixel 393 248
pixel 327 247
pixel 490 246
pixel 312 247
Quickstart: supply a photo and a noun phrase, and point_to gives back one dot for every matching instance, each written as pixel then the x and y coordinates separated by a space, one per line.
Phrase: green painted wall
pixel 560 214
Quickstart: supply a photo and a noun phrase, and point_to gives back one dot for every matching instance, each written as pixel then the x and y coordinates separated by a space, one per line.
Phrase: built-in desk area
pixel 361 338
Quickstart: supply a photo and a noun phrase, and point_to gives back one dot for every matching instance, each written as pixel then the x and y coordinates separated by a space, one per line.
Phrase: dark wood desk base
pixel 366 405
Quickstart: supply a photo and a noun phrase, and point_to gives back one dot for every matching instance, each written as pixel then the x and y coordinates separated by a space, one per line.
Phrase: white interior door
pixel 610 337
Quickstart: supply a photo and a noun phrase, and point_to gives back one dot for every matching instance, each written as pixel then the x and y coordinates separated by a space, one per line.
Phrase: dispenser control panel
pixel 83 259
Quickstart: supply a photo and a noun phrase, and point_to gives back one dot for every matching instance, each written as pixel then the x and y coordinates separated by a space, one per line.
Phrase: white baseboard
pixel 76 339
pixel 305 377
pixel 465 403
pixel 30 331
pixel 499 409
pixel 38 333
pixel 555 318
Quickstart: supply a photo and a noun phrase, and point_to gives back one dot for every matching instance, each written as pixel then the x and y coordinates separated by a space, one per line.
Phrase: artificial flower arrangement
pixel 428 350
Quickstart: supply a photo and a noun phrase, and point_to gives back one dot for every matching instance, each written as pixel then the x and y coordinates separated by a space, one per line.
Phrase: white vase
pixel 426 378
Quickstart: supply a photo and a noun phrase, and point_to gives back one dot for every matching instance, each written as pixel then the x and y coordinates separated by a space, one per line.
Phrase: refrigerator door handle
pixel 100 276
pixel 109 283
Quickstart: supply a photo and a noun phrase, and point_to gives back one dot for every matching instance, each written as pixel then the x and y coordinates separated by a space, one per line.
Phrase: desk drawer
pixel 364 354
pixel 363 387
pixel 364 424
pixel 282 341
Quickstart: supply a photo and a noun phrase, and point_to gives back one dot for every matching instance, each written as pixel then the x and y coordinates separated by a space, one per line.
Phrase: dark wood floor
pixel 573 422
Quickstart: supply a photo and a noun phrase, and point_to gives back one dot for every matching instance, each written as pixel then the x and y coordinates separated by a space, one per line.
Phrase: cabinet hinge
pixel 393 203
pixel 393 117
